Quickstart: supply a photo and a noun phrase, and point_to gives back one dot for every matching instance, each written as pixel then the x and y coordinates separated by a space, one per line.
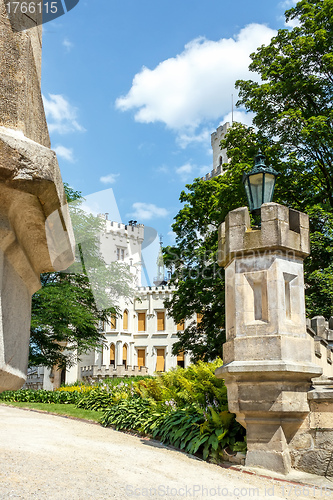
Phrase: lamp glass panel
pixel 256 182
pixel 269 188
pixel 248 194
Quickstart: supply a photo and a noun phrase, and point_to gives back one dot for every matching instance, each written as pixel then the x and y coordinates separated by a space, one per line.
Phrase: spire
pixel 160 278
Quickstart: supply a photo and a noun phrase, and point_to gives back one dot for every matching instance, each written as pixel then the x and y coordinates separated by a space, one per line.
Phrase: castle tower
pixel 120 242
pixel 219 156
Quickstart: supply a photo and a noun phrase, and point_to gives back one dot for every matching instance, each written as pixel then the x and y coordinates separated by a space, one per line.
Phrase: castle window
pixel 141 358
pixel 141 322
pixel 161 321
pixel 199 318
pixel 120 253
pixel 112 355
pixel 125 355
pixel 160 361
pixel 113 322
pixel 181 326
pixel 125 320
pixel 181 359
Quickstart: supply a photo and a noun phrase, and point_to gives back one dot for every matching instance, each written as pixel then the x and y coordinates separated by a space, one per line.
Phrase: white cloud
pixel 240 117
pixel 185 172
pixel 287 4
pixel 67 44
pixel 189 137
pixel 109 179
pixel 65 153
pixel 195 86
pixel 147 211
pixel 61 115
pixel 188 172
pixel 172 237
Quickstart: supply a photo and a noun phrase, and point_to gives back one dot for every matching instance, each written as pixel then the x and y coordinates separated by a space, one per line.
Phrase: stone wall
pixel 35 229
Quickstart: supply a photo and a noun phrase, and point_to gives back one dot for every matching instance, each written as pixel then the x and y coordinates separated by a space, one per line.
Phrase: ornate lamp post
pixel 259 184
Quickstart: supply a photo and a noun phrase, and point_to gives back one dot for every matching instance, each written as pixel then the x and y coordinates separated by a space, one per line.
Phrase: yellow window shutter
pixel 199 318
pixel 142 322
pixel 160 321
pixel 160 363
pixel 113 321
pixel 180 356
pixel 125 320
pixel 141 357
pixel 181 326
pixel 112 354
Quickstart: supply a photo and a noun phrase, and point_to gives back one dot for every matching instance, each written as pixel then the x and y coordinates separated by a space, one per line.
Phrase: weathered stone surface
pixel 316 462
pixel 268 357
pixel 35 229
pixel 277 232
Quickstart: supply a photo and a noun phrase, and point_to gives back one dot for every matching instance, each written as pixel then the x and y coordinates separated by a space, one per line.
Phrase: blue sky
pixel 134 88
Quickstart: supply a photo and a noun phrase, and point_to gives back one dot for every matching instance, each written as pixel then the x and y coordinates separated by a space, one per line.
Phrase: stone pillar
pixel 35 229
pixel 119 353
pixel 267 355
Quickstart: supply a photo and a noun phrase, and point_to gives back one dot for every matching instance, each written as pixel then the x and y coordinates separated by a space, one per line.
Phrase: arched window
pixel 125 320
pixel 112 355
pixel 113 321
pixel 125 350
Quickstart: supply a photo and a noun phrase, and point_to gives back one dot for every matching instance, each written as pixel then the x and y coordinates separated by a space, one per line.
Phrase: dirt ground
pixel 48 457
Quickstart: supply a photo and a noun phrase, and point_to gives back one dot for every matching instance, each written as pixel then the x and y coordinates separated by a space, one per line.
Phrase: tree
pixel 67 310
pixel 293 104
pixel 293 116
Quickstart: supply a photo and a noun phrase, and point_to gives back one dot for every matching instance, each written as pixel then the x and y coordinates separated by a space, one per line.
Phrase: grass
pixel 60 409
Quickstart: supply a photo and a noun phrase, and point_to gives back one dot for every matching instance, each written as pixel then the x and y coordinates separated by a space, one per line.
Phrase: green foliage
pixel 294 119
pixel 186 408
pixel 41 396
pixel 97 400
pixel 220 430
pixel 127 414
pixel 180 387
pixel 180 428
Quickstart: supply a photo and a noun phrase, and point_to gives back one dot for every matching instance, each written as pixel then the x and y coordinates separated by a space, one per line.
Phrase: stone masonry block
pixel 238 217
pixel 274 211
pixel 318 325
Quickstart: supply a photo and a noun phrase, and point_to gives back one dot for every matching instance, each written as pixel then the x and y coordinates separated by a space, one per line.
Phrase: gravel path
pixel 48 457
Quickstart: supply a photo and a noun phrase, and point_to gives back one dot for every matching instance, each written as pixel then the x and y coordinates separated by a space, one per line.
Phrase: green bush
pixel 96 399
pixel 196 384
pixel 129 414
pixel 40 396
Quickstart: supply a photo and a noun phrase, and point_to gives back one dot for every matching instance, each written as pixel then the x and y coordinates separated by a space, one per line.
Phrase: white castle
pixel 139 341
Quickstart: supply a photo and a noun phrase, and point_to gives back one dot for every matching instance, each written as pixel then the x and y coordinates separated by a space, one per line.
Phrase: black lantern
pixel 259 183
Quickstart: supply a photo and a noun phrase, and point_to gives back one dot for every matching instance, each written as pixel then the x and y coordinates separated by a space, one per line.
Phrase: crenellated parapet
pixel 281 229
